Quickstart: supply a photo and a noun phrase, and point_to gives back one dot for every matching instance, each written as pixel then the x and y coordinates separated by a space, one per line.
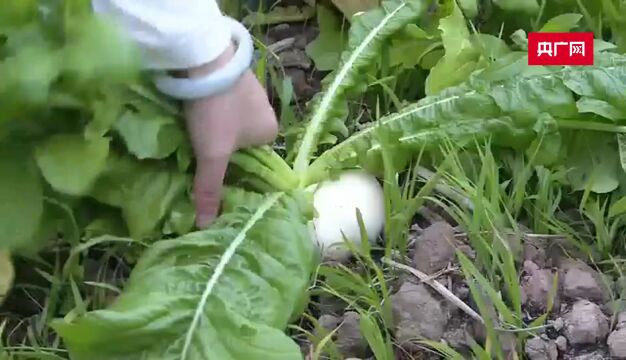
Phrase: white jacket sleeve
pixel 171 34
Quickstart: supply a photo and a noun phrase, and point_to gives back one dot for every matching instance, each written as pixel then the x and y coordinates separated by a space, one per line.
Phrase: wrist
pixel 217 76
pixel 222 60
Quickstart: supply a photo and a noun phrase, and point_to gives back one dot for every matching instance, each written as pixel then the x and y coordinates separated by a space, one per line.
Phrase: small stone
pixel 434 249
pixel 558 324
pixel 621 320
pixel 280 31
pixel 580 281
pixel 598 354
pixel 350 342
pixel 617 344
pixel 295 58
pixel 456 337
pixel 561 343
pixel 537 285
pixel 328 322
pixel 535 251
pixel 301 87
pixel 585 324
pixel 539 349
pixel 331 305
pixel 417 313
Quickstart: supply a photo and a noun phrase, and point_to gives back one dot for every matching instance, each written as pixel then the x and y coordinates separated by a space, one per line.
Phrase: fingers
pixel 208 184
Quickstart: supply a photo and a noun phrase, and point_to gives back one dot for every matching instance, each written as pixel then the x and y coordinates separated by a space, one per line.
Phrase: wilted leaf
pixel 70 163
pixel 326 49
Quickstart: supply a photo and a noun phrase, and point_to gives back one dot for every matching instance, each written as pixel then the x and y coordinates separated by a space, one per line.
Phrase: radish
pixel 336 203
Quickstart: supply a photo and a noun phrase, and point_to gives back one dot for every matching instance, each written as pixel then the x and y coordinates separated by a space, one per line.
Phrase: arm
pixel 193 36
pixel 170 35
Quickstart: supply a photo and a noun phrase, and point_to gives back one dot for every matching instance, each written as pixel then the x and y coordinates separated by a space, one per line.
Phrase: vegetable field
pixel 430 195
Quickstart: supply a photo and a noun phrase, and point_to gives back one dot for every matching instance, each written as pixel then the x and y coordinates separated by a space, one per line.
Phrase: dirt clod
pixel 536 287
pixel 580 281
pixel 350 341
pixel 434 249
pixel 597 354
pixel 417 313
pixel 301 87
pixel 561 343
pixel 621 320
pixel 540 349
pixel 328 322
pixel 617 344
pixel 295 58
pixel 585 324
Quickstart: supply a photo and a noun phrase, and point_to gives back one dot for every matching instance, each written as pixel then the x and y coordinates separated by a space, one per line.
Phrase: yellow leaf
pixel 7 274
pixel 351 7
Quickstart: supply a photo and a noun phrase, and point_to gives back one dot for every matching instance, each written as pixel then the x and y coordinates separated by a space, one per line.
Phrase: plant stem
pixel 591 125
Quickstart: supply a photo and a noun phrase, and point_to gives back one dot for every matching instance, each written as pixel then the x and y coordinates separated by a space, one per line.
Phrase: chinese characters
pixel 551 48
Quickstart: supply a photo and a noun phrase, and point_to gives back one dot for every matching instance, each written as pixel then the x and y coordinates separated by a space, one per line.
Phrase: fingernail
pixel 204 220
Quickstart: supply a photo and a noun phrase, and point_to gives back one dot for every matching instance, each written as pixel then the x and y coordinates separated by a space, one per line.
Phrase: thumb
pixel 208 184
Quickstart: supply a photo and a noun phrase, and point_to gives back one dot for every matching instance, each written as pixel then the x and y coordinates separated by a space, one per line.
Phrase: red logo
pixel 574 48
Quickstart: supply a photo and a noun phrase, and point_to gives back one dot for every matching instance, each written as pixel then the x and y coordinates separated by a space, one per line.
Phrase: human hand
pixel 220 125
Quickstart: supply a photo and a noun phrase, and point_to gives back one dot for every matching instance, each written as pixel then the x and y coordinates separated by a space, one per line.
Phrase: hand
pixel 220 125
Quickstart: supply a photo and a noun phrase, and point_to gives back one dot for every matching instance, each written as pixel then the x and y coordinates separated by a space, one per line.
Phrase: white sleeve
pixel 171 34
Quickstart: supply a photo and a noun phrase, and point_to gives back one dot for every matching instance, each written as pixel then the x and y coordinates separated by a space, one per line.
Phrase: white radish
pixel 335 203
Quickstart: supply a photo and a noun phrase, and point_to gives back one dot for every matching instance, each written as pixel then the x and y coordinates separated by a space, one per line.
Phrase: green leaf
pixel 368 33
pixel 409 48
pixel 21 196
pixel 618 208
pixel 70 163
pixel 545 149
pixel 143 191
pixel 460 57
pixel 593 162
pixel 325 50
pixel 507 111
pixel 561 23
pixel 621 146
pixel 149 137
pixel 226 292
pixel 469 7
pixel 525 6
pixel 97 51
pixel 27 76
pixel 105 113
pixel 600 107
pixel 181 218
